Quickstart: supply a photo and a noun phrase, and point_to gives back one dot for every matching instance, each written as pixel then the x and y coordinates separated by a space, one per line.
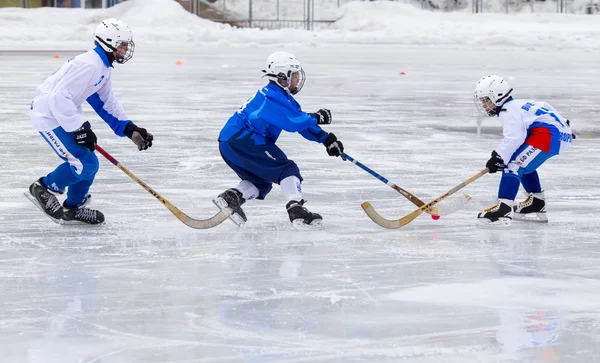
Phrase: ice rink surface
pixel 146 288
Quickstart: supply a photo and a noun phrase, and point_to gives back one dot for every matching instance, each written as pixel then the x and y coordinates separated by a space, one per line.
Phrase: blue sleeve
pixel 314 133
pixel 279 112
pixel 118 126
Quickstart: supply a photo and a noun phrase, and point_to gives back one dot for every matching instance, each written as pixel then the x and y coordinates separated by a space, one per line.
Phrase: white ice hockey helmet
pixel 280 67
pixel 490 93
pixel 113 35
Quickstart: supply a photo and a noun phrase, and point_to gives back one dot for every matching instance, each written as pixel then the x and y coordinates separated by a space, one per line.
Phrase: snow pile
pixel 326 9
pixel 152 22
pixel 405 23
pixel 166 23
pixel 280 9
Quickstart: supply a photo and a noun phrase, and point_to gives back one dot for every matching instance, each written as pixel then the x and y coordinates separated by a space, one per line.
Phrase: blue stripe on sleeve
pixel 115 124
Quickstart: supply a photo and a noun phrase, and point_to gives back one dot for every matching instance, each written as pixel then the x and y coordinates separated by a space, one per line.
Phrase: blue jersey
pixel 262 118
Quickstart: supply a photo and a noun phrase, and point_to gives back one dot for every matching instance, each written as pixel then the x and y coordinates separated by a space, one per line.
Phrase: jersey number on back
pixel 543 111
pixel 245 104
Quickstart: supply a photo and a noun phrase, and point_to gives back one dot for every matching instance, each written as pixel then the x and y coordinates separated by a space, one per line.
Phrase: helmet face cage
pixel 300 84
pixel 124 51
pixel 281 77
pixel 485 106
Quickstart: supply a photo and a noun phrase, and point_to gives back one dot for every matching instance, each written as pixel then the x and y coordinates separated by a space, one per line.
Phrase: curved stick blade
pixel 210 222
pixel 378 219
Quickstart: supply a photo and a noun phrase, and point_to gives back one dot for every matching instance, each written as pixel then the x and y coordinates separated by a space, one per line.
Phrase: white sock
pixel 249 190
pixel 291 188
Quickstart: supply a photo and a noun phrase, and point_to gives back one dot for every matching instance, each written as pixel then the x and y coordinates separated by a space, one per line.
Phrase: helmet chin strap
pixel 505 98
pixel 286 89
pixel 275 79
pixel 105 43
pixel 110 55
pixel 500 108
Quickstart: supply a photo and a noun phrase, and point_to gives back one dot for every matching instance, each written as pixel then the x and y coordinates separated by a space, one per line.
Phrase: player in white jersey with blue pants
pixel 56 114
pixel 533 133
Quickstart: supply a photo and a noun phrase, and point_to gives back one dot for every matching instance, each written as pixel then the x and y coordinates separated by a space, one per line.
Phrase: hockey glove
pixel 334 146
pixel 572 134
pixel 495 163
pixel 84 136
pixel 323 116
pixel 142 138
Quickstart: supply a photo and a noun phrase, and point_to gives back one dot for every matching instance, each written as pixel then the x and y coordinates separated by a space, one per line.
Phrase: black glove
pixel 495 163
pixel 334 146
pixel 572 134
pixel 84 136
pixel 323 116
pixel 139 136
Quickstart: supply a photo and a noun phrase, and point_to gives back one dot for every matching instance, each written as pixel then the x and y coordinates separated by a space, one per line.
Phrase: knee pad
pixel 513 168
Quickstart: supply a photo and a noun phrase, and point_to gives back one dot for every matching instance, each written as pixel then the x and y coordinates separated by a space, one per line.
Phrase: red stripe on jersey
pixel 540 138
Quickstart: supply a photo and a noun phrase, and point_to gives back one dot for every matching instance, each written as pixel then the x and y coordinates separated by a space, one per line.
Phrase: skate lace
pixel 233 198
pixel 527 202
pixel 86 214
pixel 493 208
pixel 52 202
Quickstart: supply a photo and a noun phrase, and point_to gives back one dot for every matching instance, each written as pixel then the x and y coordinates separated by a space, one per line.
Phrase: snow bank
pixel 325 9
pixel 404 23
pixel 166 23
pixel 152 21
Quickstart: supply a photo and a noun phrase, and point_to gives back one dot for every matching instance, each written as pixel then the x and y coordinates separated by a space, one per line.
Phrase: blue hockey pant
pixel 522 169
pixel 262 165
pixel 78 170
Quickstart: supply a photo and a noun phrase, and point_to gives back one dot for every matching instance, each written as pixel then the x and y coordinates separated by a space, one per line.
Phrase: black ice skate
pixel 81 214
pixel 300 216
pixel 45 200
pixel 499 215
pixel 532 209
pixel 233 199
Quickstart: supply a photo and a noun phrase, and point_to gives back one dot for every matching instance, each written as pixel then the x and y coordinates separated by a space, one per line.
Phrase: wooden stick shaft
pixel 179 214
pixel 411 197
pixel 187 220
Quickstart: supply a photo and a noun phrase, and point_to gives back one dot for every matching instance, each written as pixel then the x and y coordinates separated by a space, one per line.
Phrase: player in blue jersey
pixel 247 141
pixel 56 114
pixel 533 133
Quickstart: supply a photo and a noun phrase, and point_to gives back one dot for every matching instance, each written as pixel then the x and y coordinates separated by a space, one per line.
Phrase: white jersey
pixel 535 123
pixel 87 77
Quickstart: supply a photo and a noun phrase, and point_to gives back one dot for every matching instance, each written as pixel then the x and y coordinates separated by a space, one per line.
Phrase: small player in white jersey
pixel 57 115
pixel 533 132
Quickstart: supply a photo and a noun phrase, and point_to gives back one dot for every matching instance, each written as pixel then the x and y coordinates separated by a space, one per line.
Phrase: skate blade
pixel 37 204
pixel 79 223
pixel 299 225
pixel 500 223
pixel 234 217
pixel 531 217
